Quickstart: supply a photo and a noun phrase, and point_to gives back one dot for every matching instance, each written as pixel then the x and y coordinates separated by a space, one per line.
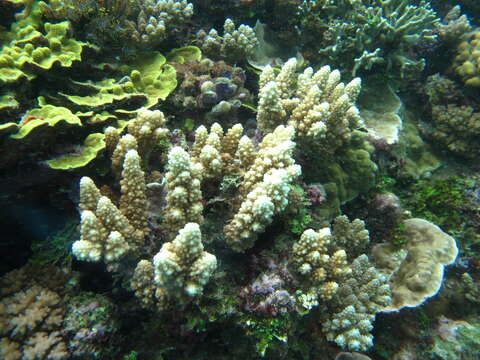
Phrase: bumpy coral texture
pixel 467 62
pixel 264 190
pixel 158 19
pixel 107 232
pixel 30 324
pixel 179 271
pixel 235 44
pixel 352 310
pixel 316 104
pixel 184 196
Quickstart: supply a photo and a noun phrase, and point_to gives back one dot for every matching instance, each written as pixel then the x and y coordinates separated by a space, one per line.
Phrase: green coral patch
pixel 153 77
pixel 92 145
pixel 47 115
pixel 8 102
pixel 8 128
pixel 24 55
pixel 184 54
pixel 145 82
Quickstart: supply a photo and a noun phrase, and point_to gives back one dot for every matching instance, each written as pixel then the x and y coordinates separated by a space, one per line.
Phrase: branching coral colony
pixel 331 268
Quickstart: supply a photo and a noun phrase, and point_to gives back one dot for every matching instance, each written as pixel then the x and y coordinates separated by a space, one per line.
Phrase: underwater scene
pixel 240 179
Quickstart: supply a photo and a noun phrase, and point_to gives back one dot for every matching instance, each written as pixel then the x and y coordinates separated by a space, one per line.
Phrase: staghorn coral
pixel 317 105
pixel 235 44
pixel 366 35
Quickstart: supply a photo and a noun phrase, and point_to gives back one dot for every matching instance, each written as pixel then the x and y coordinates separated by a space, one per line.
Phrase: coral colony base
pixel 288 179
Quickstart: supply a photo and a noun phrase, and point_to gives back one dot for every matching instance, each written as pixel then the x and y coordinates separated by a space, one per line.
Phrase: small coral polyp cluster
pixel 235 186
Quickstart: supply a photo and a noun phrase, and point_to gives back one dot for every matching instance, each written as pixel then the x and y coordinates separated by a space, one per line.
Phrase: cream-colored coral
pixel 234 44
pixel 184 196
pixel 266 199
pixel 316 104
pixel 208 151
pixel 314 259
pixel 178 273
pixel 265 186
pixel 230 144
pixel 89 194
pixel 29 324
pixel 107 232
pixel 351 312
pixel 133 202
pixel 245 152
pixel 275 152
pixel 418 275
pixel 127 142
pixel 158 19
pixel 148 128
pixel 182 265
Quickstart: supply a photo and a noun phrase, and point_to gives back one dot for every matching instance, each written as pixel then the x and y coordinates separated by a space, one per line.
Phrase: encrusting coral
pixel 416 272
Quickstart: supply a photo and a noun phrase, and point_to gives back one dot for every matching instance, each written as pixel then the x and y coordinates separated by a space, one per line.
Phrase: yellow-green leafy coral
pixel 47 115
pixel 32 52
pixel 92 145
pixel 148 79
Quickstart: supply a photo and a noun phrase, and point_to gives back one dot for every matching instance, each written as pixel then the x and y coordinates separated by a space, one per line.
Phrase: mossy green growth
pixel 184 54
pixel 56 248
pixel 90 149
pixel 32 51
pixel 267 332
pixel 47 115
pixel 298 216
pixel 438 201
pixel 8 102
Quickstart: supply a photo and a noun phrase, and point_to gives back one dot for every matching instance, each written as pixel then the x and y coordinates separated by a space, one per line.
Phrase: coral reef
pixel 182 206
